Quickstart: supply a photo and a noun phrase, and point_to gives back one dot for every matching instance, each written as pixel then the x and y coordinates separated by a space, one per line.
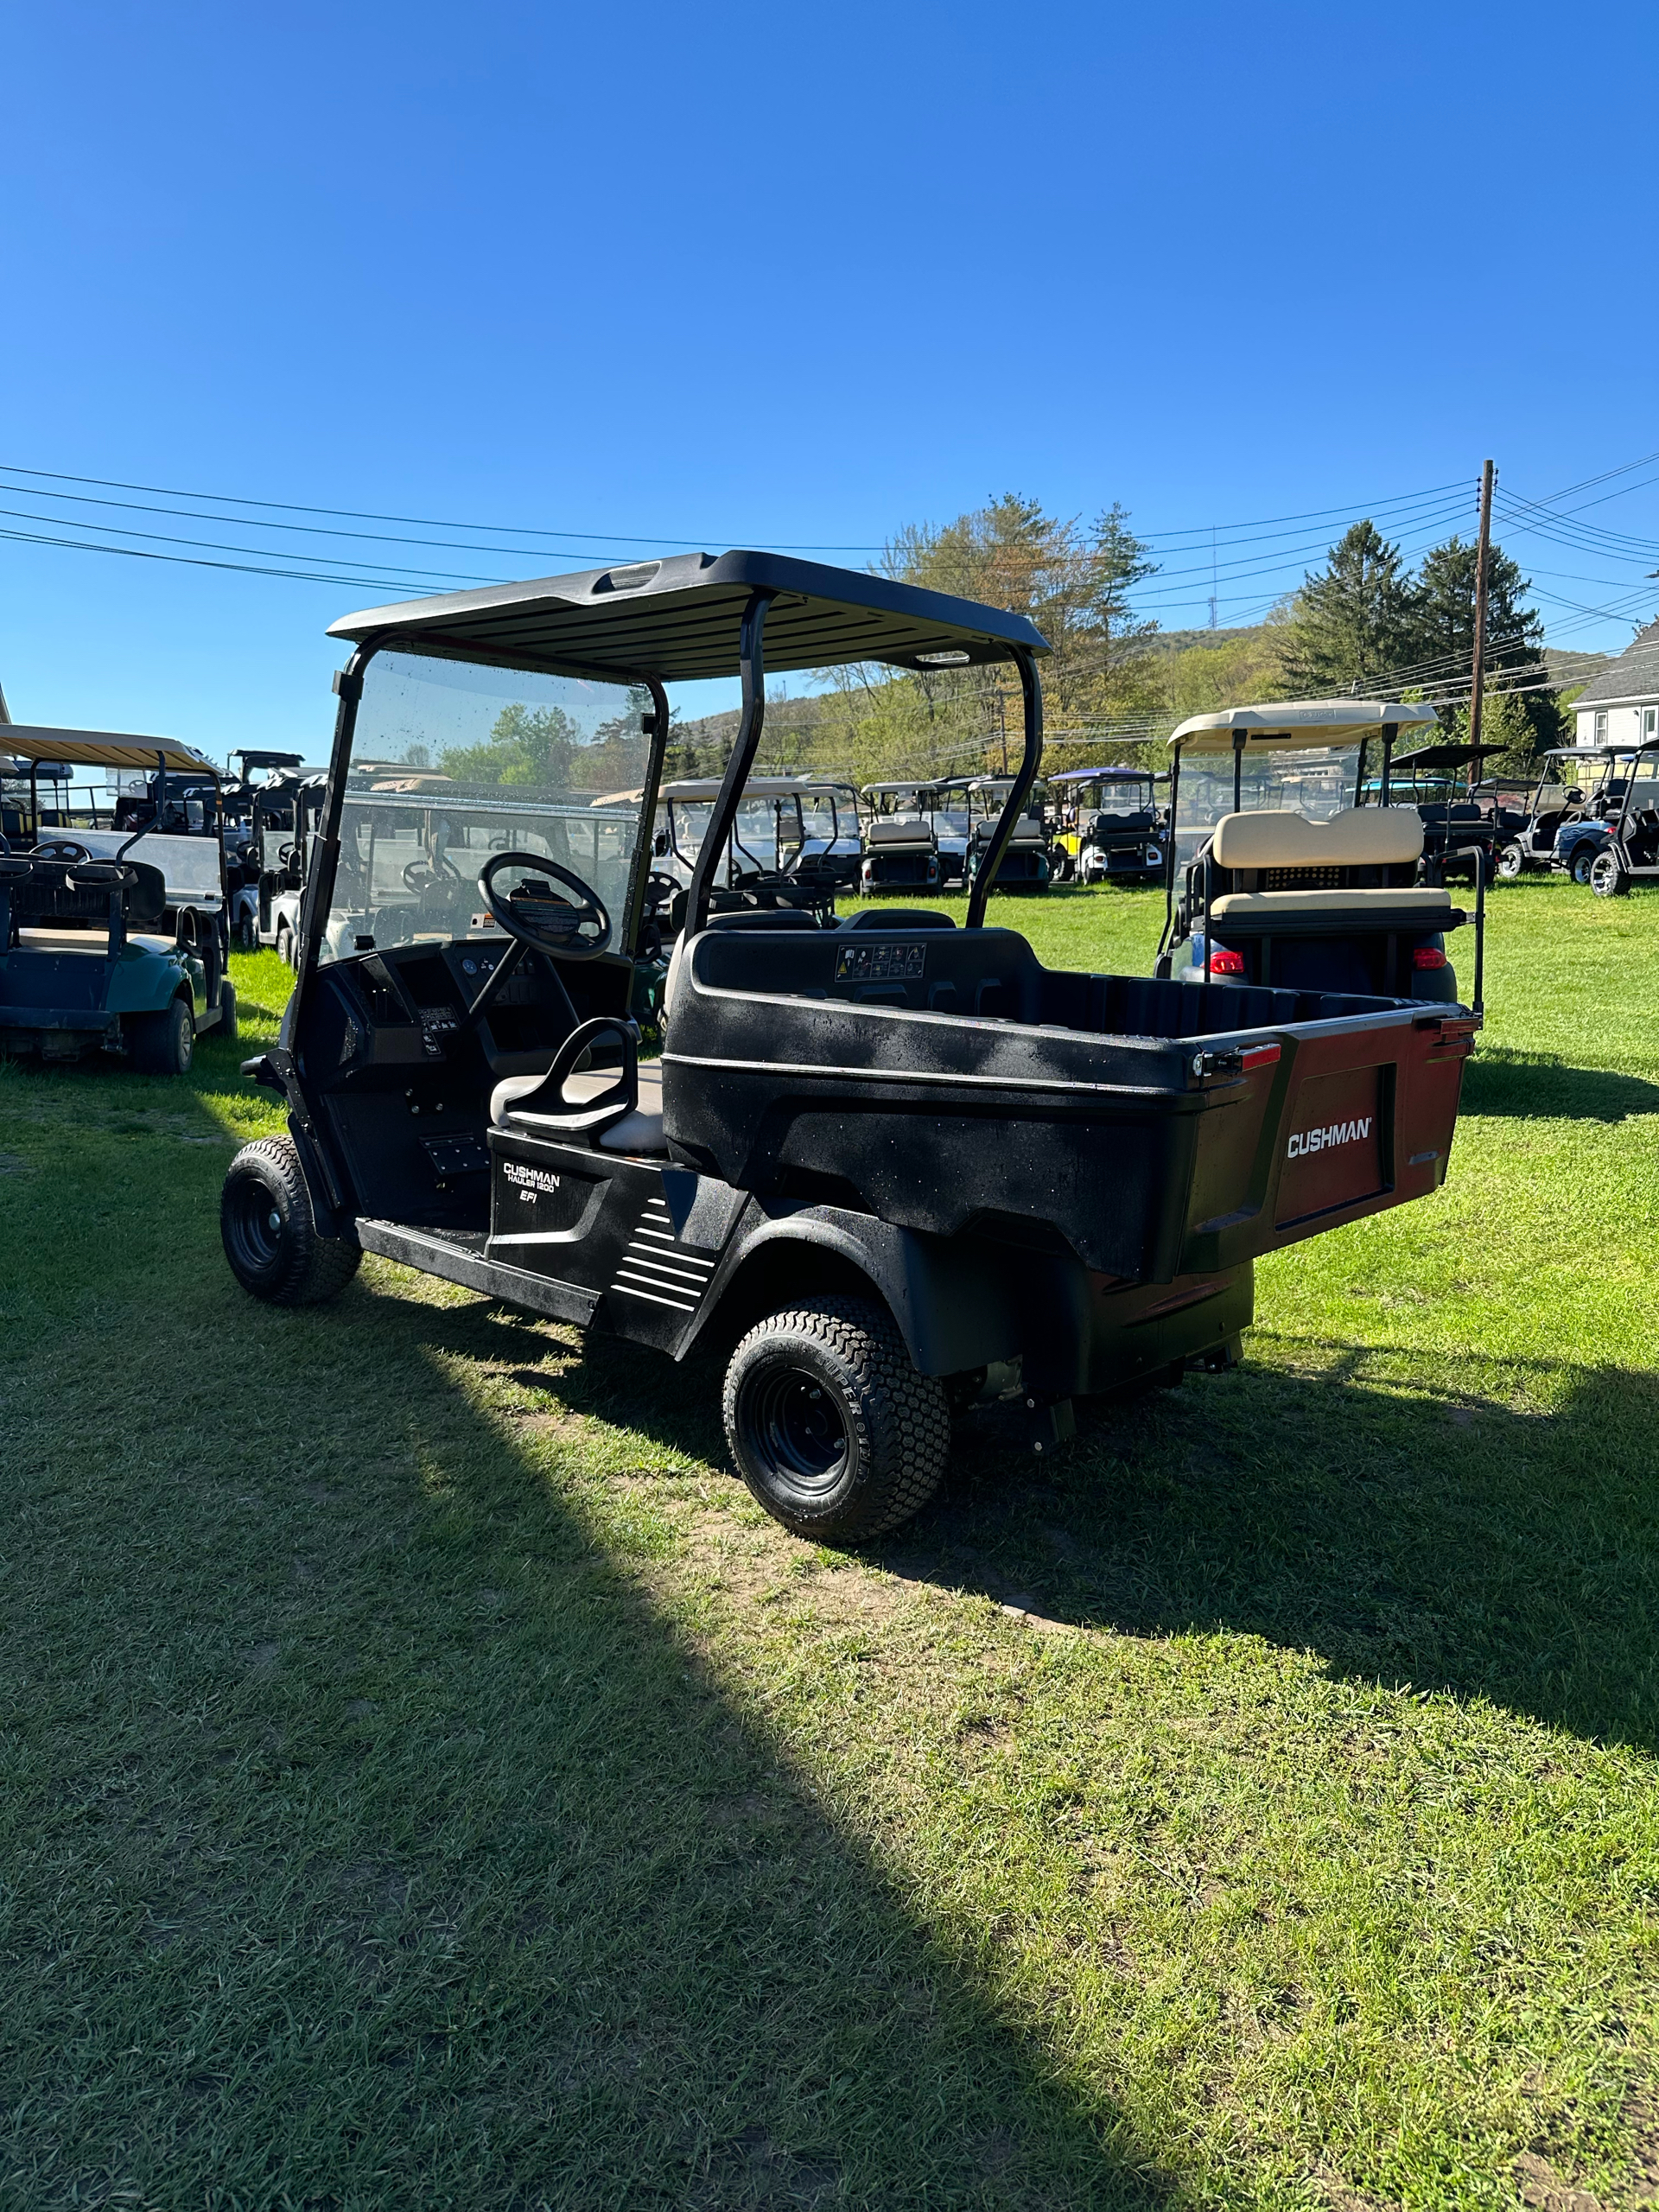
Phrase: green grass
pixel 428 1781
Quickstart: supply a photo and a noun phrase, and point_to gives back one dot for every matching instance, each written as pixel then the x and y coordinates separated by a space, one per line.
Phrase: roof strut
pixel 752 667
pixel 1013 805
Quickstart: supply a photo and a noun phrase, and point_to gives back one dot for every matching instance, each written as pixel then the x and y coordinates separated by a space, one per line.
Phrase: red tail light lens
pixel 1223 963
pixel 1428 956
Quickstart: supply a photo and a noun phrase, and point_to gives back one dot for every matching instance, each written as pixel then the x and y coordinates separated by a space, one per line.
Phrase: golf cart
pixel 1553 809
pixel 832 842
pixel 901 851
pixel 888 1169
pixel 1458 831
pixel 103 946
pixel 1278 877
pixel 1111 830
pixel 1581 838
pixel 1632 852
pixel 769 860
pixel 1022 862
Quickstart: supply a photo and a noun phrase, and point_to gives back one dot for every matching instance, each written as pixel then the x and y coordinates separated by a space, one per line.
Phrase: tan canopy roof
pixel 101 748
pixel 1297 721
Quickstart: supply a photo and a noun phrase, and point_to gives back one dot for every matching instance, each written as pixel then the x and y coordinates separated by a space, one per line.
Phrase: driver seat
pixel 639 1131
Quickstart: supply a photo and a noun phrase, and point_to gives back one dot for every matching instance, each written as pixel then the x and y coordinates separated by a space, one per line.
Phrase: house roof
pixel 1634 676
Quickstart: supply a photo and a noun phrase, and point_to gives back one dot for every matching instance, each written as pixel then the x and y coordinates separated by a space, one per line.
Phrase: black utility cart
pixel 1463 831
pixel 888 1169
pixel 1631 854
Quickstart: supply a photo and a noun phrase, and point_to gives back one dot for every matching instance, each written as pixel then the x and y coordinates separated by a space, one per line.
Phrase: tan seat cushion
pixel 1362 836
pixel 638 1133
pixel 1307 902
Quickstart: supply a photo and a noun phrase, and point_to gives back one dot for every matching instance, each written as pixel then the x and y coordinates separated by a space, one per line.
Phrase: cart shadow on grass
pixel 649 1821
pixel 1411 1535
pixel 1439 1543
pixel 1535 1086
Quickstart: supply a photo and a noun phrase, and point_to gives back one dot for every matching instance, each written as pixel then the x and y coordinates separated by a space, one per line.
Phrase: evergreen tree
pixel 1442 646
pixel 1352 621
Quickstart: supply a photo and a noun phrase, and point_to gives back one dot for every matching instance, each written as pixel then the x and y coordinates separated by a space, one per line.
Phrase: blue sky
pixel 747 276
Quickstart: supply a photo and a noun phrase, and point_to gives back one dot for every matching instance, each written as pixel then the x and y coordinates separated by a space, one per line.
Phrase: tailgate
pixel 1351 1118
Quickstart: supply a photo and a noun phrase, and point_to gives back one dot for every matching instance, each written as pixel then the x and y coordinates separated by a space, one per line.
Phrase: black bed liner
pixel 948 1082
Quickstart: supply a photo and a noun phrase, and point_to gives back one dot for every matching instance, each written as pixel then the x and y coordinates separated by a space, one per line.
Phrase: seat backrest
pixel 1365 836
pixel 974 972
pixel 899 829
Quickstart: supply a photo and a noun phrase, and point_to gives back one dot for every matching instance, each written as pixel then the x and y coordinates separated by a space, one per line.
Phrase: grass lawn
pixel 426 1780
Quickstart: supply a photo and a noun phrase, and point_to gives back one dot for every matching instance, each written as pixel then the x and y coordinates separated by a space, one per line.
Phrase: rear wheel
pixel 1607 877
pixel 164 1043
pixel 1510 862
pixel 269 1238
pixel 1582 861
pixel 227 1008
pixel 831 1426
pixel 285 944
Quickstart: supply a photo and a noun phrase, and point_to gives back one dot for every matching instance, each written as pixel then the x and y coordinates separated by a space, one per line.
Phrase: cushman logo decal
pixel 531 1179
pixel 1306 1140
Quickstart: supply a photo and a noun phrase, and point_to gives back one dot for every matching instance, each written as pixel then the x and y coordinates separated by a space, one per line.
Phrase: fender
pixel 953 1302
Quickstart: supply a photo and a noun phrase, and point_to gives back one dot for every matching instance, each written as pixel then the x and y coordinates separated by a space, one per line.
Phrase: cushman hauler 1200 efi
pixel 888 1169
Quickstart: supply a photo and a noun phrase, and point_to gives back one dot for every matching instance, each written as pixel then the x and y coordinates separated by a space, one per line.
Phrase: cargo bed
pixel 946 1081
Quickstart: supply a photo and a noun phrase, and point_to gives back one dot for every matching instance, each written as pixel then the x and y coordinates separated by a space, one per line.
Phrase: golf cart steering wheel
pixel 436 870
pixel 60 848
pixel 547 924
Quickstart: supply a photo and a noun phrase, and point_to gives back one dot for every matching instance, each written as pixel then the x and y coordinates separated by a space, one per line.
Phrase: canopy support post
pixel 1013 805
pixel 752 662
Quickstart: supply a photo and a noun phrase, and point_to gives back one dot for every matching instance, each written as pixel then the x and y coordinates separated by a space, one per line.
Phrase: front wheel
pixel 164 1043
pixel 1607 877
pixel 1583 860
pixel 832 1429
pixel 269 1238
pixel 1510 862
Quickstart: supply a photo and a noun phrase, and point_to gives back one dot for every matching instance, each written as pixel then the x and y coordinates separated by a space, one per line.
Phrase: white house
pixel 1621 706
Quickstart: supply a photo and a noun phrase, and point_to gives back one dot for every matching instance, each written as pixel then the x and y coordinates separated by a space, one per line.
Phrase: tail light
pixel 1225 963
pixel 1428 956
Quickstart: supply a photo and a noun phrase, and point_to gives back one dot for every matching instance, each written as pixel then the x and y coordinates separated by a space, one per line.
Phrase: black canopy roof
pixel 1445 756
pixel 679 618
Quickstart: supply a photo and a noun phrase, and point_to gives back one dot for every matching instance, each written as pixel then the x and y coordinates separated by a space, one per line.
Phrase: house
pixel 1621 705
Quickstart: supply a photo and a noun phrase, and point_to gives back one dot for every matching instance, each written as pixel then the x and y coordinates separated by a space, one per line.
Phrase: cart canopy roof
pixel 1114 775
pixel 708 787
pixel 678 621
pixel 94 748
pixel 1447 756
pixel 1297 721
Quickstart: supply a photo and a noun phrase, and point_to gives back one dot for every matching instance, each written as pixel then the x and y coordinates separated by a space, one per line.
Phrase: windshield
pixel 1316 781
pixel 453 762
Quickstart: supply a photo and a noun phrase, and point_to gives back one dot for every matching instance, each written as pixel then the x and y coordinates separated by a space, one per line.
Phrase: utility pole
pixel 1002 727
pixel 1482 557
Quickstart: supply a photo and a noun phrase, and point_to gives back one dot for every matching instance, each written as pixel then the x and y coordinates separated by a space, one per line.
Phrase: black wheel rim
pixel 253 1226
pixel 795 1429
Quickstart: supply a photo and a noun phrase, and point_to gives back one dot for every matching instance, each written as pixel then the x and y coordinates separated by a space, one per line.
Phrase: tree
pixel 1352 621
pixel 1441 646
pixel 526 745
pixel 1075 584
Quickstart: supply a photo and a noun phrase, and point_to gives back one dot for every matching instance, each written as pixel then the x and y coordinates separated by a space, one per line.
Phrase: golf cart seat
pixel 638 1132
pixel 1368 836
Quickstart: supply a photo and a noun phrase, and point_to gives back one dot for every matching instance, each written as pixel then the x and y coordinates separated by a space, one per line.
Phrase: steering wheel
pixel 60 848
pixel 436 870
pixel 547 924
